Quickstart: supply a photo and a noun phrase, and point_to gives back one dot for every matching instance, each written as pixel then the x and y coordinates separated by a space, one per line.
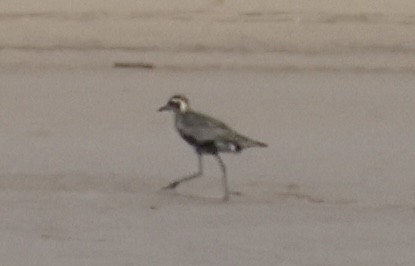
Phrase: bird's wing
pixel 203 127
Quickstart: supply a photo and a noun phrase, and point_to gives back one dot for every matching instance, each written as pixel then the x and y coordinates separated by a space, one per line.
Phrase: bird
pixel 207 135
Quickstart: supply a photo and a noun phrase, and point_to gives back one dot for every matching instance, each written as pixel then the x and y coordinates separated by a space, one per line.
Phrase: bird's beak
pixel 164 108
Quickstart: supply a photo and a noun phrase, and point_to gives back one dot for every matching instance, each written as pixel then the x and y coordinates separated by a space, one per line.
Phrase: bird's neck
pixel 183 111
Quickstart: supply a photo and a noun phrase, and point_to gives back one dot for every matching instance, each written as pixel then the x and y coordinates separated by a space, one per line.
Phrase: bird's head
pixel 176 103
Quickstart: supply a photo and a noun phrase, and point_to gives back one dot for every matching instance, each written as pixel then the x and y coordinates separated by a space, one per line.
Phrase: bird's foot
pixel 226 196
pixel 172 185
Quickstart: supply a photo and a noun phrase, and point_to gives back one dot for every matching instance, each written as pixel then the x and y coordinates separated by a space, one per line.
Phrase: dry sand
pixel 85 154
pixel 329 86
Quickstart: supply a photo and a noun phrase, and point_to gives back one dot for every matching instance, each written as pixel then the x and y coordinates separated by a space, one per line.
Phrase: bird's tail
pixel 260 144
pixel 246 142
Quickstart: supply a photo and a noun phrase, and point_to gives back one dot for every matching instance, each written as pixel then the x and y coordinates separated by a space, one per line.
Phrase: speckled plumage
pixel 207 135
pixel 207 129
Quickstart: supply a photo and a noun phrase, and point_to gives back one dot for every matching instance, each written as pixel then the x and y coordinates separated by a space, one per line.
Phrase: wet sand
pixel 329 86
pixel 265 35
pixel 85 154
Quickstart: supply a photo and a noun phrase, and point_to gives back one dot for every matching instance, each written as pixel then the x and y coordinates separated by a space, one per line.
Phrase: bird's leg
pixel 199 172
pixel 224 178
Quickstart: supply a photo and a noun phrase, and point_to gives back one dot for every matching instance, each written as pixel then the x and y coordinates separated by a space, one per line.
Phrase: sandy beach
pixel 262 36
pixel 85 153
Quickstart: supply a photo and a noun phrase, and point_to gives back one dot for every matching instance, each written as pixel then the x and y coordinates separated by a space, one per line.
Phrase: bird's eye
pixel 174 104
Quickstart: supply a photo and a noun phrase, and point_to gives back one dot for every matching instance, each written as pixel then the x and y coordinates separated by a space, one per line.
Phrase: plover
pixel 207 135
